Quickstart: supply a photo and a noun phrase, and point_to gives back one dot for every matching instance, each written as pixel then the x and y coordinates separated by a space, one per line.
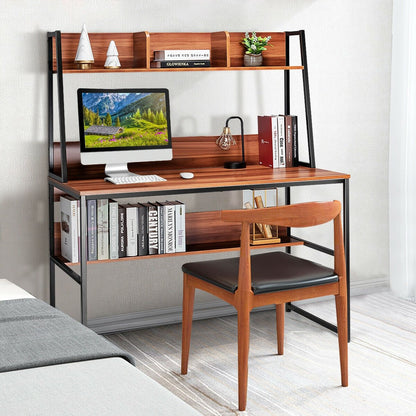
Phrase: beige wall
pixel 349 51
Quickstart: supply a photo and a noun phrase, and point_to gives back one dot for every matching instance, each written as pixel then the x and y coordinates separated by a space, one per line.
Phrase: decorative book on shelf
pixel 180 64
pixel 182 55
pixel 278 140
pixel 117 230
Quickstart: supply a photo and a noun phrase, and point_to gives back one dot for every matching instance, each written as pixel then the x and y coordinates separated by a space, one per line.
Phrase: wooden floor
pixel 303 382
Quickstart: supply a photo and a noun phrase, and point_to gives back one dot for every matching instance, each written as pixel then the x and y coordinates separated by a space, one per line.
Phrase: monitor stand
pixel 117 170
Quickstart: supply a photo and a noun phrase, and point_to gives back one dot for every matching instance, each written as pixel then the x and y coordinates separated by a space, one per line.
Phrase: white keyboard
pixel 125 180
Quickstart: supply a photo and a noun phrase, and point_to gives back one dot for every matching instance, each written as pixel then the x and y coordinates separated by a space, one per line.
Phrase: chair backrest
pixel 297 215
pixel 306 214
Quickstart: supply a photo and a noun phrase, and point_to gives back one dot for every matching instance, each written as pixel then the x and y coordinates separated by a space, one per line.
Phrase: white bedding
pixel 109 386
pixel 9 290
pixel 106 386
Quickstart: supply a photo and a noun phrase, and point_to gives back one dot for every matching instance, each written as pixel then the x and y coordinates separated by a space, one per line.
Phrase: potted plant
pixel 254 45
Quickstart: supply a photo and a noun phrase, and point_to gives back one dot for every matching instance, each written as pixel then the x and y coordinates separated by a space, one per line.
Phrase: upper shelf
pixel 136 50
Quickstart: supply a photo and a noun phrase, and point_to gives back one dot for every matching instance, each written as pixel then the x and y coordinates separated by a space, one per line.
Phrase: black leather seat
pixel 270 272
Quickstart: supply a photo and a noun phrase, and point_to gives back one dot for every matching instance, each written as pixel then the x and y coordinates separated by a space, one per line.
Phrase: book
pixel 268 141
pixel 102 229
pixel 288 141
pixel 152 228
pixel 92 229
pixel 180 64
pixel 182 54
pixel 161 228
pixel 131 230
pixel 169 226
pixel 69 228
pixel 142 230
pixel 180 230
pixel 122 233
pixel 79 227
pixel 295 140
pixel 113 229
pixel 281 140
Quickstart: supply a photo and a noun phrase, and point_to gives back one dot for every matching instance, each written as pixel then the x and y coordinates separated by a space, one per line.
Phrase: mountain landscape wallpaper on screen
pixel 116 119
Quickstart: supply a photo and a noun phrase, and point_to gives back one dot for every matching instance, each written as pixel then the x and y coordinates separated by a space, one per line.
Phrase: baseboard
pixel 173 315
pixel 367 287
pixel 156 317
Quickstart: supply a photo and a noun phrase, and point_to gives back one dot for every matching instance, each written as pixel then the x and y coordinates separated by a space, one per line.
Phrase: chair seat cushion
pixel 271 272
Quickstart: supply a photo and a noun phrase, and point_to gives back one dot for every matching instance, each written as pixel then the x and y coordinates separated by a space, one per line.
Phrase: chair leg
pixel 280 327
pixel 187 311
pixel 342 323
pixel 243 348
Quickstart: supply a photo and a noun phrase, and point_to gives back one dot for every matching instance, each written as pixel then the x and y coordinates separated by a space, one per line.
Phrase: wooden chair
pixel 271 278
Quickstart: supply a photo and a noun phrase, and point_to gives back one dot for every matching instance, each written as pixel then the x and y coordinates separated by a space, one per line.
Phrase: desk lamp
pixel 226 140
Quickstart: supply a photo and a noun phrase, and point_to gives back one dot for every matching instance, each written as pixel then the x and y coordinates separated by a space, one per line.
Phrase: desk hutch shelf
pixel 205 232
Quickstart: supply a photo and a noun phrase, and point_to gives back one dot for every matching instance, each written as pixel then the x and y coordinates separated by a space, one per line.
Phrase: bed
pixel 51 364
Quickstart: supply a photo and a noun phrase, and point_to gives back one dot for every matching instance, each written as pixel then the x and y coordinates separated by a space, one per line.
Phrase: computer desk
pixel 207 179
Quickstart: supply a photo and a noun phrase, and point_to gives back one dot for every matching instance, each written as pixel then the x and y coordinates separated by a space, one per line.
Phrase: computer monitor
pixel 118 126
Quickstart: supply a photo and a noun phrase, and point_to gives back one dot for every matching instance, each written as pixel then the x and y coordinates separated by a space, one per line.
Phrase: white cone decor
pixel 84 57
pixel 112 56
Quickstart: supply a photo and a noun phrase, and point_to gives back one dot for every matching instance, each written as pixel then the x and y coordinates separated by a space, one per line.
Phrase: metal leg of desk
pixel 51 247
pixel 83 259
pixel 346 212
pixel 346 225
pixel 52 288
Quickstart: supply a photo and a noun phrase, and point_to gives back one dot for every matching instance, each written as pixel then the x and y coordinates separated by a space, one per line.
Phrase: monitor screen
pixel 124 125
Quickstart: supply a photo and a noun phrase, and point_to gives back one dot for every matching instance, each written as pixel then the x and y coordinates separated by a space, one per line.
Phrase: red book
pixel 268 141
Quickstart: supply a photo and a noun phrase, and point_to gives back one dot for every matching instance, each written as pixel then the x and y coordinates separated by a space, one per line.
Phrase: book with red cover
pixel 268 141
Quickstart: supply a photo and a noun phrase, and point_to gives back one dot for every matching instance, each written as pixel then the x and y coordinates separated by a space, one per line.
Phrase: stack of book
pixel 122 230
pixel 181 58
pixel 278 141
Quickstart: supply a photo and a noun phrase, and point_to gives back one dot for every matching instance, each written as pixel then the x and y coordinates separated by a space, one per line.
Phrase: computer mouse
pixel 186 175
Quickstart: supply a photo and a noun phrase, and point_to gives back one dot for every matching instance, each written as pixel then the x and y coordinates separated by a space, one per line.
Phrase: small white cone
pixel 112 60
pixel 84 57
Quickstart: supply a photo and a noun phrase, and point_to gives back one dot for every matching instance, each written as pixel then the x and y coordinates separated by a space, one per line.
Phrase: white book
pixel 102 229
pixel 113 229
pixel 180 230
pixel 92 229
pixel 169 216
pixel 182 55
pixel 131 230
pixel 282 144
pixel 69 228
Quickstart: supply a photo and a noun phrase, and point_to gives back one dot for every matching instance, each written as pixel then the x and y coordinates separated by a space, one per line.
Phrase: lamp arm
pixel 242 133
